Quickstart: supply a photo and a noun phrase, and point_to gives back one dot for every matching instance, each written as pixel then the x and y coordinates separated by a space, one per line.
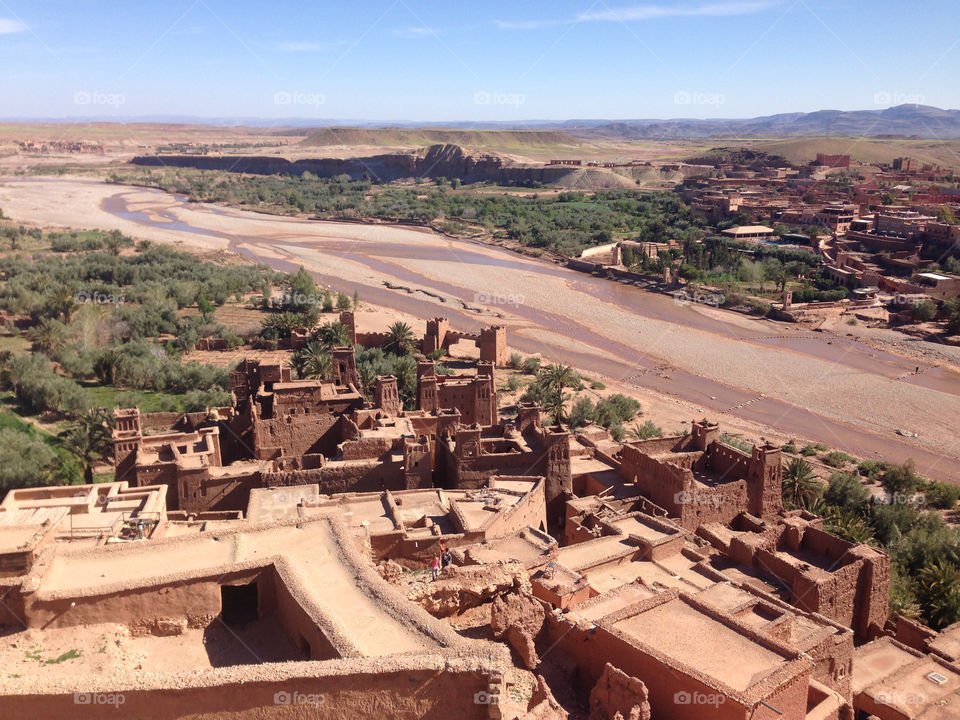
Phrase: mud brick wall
pixel 340 478
pixel 297 435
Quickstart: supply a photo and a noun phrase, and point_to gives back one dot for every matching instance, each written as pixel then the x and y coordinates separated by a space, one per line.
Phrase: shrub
pixel 845 491
pixel 582 412
pixel 531 365
pixel 942 496
pixel 871 468
pixel 616 410
pixel 837 459
pixel 901 479
pixel 25 461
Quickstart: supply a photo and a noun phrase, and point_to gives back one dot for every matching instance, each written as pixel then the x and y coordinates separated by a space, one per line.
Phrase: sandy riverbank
pixel 778 380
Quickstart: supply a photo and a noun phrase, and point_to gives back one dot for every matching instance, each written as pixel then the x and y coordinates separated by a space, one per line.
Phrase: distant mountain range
pixel 919 121
pixel 909 121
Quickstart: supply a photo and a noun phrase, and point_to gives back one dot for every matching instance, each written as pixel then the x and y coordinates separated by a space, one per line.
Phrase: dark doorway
pixel 239 604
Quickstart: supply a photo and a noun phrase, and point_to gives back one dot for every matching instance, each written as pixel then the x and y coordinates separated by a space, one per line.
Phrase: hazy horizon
pixel 382 62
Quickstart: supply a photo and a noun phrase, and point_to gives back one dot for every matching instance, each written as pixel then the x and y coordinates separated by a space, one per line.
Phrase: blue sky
pixel 455 60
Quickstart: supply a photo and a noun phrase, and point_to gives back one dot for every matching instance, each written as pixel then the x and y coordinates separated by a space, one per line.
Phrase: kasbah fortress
pixel 273 559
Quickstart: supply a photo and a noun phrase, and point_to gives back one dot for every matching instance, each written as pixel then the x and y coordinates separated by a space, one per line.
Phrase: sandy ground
pixel 109 648
pixel 685 360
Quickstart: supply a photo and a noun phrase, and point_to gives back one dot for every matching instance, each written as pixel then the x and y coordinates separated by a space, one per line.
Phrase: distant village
pixel 882 226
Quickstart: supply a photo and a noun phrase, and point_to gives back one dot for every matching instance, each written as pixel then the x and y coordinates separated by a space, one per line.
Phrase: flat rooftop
pixel 310 551
pixel 685 633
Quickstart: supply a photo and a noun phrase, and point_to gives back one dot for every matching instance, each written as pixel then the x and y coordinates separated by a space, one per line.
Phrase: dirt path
pixel 787 381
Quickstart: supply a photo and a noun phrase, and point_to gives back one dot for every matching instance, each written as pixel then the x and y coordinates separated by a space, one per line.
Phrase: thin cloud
pixel 639 13
pixel 652 12
pixel 529 24
pixel 295 46
pixel 8 26
pixel 414 31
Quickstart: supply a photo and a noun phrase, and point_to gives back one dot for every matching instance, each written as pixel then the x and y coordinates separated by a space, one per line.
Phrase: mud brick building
pixel 822 573
pixel 698 478
pixel 473 396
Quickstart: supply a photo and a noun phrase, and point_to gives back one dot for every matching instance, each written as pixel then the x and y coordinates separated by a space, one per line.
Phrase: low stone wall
pixel 432 687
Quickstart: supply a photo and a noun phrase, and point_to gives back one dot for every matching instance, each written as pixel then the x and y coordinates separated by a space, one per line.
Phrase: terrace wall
pixel 430 687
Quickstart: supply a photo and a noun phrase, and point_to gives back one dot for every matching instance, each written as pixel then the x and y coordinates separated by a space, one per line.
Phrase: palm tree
pixel 313 361
pixel 645 431
pixel 333 334
pixel 399 339
pixel 799 483
pixel 63 301
pixel 555 403
pixel 939 593
pixel 90 438
pixel 106 364
pixel 49 336
pixel 557 377
pixel 847 525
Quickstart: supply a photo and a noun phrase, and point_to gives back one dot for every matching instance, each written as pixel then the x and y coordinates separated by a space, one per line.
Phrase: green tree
pixel 49 336
pixel 939 594
pixel 90 439
pixel 334 334
pixel 555 404
pixel 114 241
pixel 399 339
pixel 303 291
pixel 901 479
pixel 313 361
pixel 925 311
pixel 646 431
pixel 206 308
pixel 581 413
pixel 25 461
pixel 556 378
pixel 799 483
pixel 846 492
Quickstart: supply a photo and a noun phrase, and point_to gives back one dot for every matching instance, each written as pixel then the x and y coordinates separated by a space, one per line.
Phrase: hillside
pixel 905 121
pixel 419 137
